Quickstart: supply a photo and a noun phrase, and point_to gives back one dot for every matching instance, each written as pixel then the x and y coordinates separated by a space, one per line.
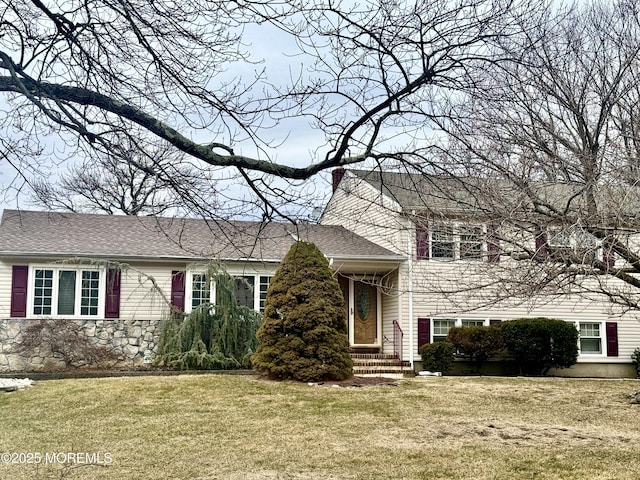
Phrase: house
pixel 119 276
pixel 457 256
pixel 414 256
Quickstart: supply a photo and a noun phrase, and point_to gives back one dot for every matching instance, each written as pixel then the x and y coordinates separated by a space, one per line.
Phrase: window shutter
pixel 493 244
pixel 612 339
pixel 112 298
pixel 541 242
pixel 424 331
pixel 422 242
pixel 177 289
pixel 19 281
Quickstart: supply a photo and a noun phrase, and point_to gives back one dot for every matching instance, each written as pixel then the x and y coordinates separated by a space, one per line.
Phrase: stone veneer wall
pixel 130 339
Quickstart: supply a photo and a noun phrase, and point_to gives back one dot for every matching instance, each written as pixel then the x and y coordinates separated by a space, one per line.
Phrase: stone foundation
pixel 129 339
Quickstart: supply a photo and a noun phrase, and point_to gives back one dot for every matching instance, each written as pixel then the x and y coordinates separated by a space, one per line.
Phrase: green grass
pixel 238 427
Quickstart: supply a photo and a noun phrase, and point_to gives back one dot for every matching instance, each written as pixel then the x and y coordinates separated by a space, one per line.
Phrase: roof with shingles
pixel 93 235
pixel 458 194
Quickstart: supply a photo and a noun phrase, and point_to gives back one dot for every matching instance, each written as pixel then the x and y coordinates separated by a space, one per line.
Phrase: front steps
pixel 380 365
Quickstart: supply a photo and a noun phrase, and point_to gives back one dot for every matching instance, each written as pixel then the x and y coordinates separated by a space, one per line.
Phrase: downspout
pixel 410 285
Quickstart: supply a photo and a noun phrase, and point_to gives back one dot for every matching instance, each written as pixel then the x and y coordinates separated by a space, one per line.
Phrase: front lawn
pixel 238 427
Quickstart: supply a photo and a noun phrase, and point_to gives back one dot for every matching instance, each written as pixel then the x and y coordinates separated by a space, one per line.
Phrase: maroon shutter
pixel 112 301
pixel 612 339
pixel 493 244
pixel 494 322
pixel 19 281
pixel 424 331
pixel 608 257
pixel 541 242
pixel 422 242
pixel 177 290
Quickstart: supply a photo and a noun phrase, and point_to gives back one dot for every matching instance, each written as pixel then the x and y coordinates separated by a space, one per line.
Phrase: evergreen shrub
pixel 303 335
pixel 211 337
pixel 438 356
pixel 478 343
pixel 635 358
pixel 538 344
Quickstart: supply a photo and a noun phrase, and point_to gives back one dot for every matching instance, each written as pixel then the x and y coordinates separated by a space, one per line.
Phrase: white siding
pixel 5 289
pixel 443 288
pixel 359 208
pixel 139 299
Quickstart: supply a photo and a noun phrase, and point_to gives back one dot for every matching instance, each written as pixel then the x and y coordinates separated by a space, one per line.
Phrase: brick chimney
pixel 337 175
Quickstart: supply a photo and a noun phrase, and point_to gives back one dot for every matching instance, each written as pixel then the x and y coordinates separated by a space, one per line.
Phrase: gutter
pixel 410 287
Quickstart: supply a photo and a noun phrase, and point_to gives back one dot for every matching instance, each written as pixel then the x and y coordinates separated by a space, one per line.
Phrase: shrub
pixel 538 344
pixel 437 357
pixel 635 358
pixel 304 329
pixel 66 340
pixel 478 343
pixel 210 338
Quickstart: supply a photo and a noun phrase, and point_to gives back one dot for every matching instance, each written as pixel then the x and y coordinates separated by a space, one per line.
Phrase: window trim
pixel 258 303
pixel 602 337
pixel 458 231
pixel 57 268
pixel 458 322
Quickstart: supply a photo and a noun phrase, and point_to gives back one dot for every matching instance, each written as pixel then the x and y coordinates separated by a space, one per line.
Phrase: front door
pixel 361 301
pixel 365 314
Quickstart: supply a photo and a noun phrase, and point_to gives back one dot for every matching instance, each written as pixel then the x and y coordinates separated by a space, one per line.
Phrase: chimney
pixel 337 175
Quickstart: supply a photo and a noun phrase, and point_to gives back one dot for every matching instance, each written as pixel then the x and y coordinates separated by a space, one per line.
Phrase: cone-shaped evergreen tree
pixel 303 335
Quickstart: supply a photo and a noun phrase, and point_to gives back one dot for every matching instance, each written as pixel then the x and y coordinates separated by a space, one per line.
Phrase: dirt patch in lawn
pixel 362 382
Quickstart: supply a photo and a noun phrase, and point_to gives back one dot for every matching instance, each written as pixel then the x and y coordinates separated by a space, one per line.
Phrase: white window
pixel 457 242
pixel 441 326
pixel 559 238
pixel 443 242
pixel 471 240
pixel 590 338
pixel 202 290
pixel 264 286
pixel 441 329
pixel 65 292
pixel 574 238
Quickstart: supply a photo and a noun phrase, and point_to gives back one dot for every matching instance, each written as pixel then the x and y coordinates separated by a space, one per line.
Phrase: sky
pixel 296 140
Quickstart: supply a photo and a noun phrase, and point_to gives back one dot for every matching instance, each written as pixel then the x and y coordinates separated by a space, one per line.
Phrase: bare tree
pixel 553 134
pixel 370 77
pixel 149 181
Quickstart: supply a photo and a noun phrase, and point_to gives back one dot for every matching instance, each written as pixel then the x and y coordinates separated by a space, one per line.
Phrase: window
pixel 441 329
pixel 472 323
pixel 471 239
pixel 572 241
pixel 246 293
pixel 451 242
pixel 441 326
pixel 590 338
pixel 442 242
pixel 264 286
pixel 559 238
pixel 200 290
pixel 59 292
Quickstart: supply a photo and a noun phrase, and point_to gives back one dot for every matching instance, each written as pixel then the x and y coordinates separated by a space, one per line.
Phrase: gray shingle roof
pixel 91 235
pixel 460 195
